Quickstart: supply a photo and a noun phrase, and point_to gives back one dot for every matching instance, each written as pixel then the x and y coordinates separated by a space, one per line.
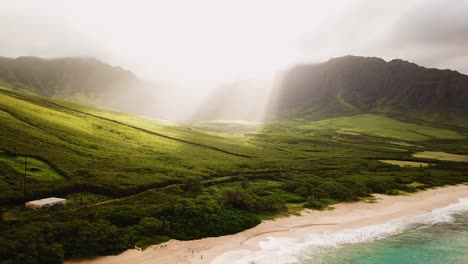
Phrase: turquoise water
pixel 445 242
pixel 437 237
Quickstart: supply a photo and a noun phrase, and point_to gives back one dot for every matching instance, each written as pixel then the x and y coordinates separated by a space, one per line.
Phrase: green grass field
pixel 36 169
pixel 437 155
pixel 145 181
pixel 374 125
pixel 229 126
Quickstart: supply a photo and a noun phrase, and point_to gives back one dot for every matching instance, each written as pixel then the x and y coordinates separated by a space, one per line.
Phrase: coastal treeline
pixel 184 211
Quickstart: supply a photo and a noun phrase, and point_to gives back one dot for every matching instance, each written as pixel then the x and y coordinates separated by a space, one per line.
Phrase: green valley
pixel 145 181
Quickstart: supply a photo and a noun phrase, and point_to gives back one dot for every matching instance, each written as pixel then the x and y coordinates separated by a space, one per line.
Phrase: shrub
pixel 241 199
pixel 149 226
pixel 302 191
pixel 192 184
pixel 272 203
pixel 378 186
pixel 314 203
pixel 337 191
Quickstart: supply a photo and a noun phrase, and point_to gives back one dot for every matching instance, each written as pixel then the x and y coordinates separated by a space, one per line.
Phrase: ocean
pixel 444 242
pixel 440 236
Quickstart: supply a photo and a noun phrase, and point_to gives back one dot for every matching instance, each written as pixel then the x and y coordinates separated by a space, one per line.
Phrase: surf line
pixel 284 230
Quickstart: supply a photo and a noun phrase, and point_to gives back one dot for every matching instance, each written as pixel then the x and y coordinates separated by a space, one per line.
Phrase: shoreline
pixel 344 216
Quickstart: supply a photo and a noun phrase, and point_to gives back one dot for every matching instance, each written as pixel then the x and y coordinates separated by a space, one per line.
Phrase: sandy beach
pixel 344 216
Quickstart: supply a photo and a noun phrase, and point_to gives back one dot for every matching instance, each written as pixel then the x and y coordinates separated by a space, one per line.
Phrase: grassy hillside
pixel 36 169
pixel 146 181
pixel 381 126
pixel 71 138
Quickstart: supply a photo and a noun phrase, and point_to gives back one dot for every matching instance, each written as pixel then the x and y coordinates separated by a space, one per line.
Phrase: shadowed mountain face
pixel 78 79
pixel 358 84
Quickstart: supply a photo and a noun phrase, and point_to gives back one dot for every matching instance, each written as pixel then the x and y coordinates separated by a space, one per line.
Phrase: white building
pixel 46 202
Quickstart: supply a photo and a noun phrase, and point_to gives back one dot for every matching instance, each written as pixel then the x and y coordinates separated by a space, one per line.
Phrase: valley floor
pixel 231 248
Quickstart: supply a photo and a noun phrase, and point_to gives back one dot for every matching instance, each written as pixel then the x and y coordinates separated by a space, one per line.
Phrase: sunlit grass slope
pixel 117 157
pixel 229 126
pixel 35 168
pixel 382 126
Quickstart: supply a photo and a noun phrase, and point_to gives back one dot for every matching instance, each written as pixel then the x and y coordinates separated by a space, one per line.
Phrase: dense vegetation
pixel 144 182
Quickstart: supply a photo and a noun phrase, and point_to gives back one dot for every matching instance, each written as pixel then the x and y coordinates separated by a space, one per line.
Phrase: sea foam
pixel 315 245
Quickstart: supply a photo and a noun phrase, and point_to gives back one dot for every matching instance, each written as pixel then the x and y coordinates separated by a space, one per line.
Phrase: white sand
pixel 345 215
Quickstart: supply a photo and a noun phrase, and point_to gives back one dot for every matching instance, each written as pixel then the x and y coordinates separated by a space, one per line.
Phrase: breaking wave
pixel 315 245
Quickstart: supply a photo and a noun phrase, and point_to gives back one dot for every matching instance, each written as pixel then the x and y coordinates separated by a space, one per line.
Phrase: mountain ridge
pixel 354 84
pixel 340 86
pixel 79 79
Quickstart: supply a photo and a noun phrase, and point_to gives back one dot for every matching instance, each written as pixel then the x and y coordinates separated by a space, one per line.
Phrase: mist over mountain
pixel 240 100
pixel 352 84
pixel 85 80
pixel 341 86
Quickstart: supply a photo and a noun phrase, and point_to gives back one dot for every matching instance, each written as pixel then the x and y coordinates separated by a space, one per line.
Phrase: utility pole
pixel 25 176
pixel 81 187
pixel 80 175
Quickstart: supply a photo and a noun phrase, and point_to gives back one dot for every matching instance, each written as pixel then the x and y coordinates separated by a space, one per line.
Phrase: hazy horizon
pixel 213 42
pixel 189 49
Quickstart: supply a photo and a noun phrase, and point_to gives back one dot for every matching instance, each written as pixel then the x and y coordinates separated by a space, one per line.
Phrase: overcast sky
pixel 215 41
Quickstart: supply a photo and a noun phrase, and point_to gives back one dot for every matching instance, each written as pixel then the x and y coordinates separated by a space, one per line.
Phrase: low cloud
pixel 225 40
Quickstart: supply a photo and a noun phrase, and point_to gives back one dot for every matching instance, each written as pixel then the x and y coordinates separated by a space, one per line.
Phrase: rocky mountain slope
pixel 353 84
pixel 85 80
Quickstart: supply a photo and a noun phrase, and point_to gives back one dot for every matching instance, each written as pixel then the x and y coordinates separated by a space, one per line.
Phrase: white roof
pixel 47 201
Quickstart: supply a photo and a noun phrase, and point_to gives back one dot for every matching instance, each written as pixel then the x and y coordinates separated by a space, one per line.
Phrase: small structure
pixel 46 202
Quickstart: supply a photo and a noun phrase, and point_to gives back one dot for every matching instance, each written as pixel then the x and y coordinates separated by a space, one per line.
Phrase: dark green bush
pixel 316 204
